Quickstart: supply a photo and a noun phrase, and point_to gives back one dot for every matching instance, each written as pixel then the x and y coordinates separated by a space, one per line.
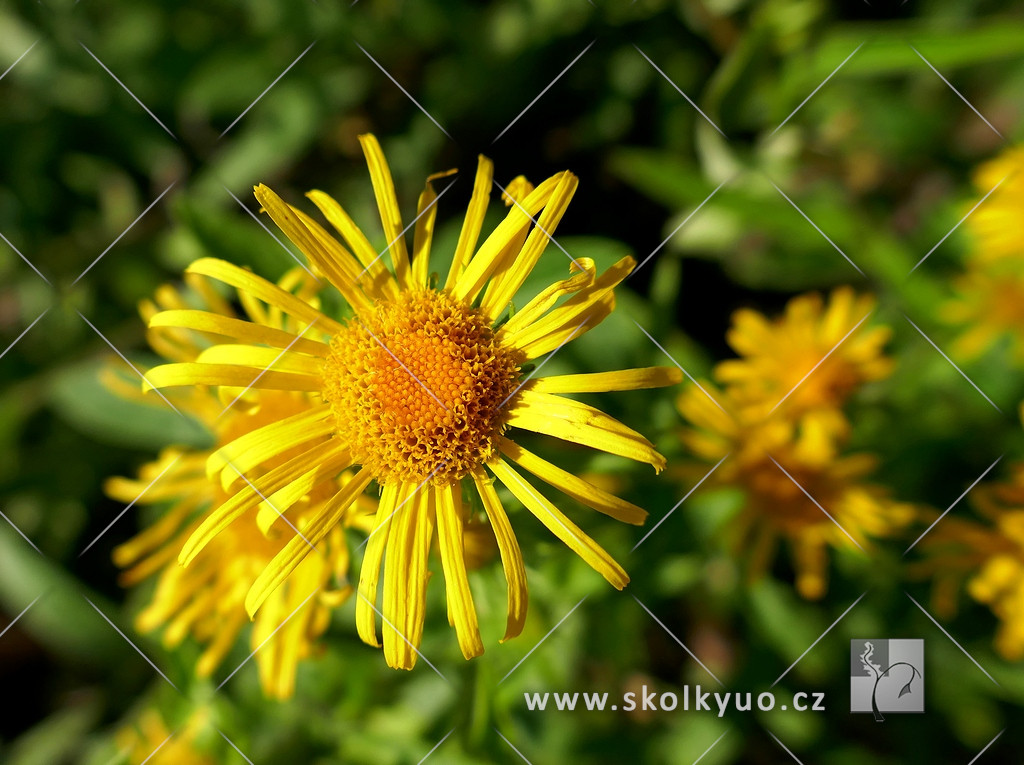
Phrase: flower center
pixel 419 391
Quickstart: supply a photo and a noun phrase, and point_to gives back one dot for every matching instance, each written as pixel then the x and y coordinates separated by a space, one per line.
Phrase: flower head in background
pixel 995 225
pixel 418 390
pixel 150 742
pixel 206 601
pixel 783 456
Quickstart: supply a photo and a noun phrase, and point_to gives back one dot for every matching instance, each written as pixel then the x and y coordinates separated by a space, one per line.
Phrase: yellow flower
pixel 419 390
pixel 990 556
pixel 990 305
pixel 803 438
pixel 996 223
pixel 777 356
pixel 207 600
pixel 150 741
pixel 776 507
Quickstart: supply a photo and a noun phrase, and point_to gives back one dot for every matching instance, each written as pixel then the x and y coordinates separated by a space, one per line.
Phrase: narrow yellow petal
pixel 423 234
pixel 473 222
pixel 602 382
pixel 504 286
pixel 257 446
pixel 238 329
pixel 546 299
pixel 453 561
pixel 573 485
pixel 268 292
pixel 191 373
pixel 369 571
pixel 591 552
pixel 572 327
pixel 259 358
pixel 511 555
pixel 380 279
pixel 581 424
pixel 298 547
pixel 326 459
pixel 387 203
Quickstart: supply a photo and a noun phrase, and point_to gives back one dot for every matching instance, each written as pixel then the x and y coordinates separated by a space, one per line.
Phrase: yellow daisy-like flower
pixel 996 223
pixel 419 390
pixel 150 741
pixel 804 438
pixel 207 600
pixel 778 355
pixel 777 507
pixel 990 305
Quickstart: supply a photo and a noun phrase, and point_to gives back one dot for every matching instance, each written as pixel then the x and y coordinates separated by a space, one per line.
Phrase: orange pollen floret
pixel 420 389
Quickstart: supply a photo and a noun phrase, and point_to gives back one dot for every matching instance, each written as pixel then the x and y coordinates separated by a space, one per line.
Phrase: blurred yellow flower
pixel 989 303
pixel 777 356
pixel 150 742
pixel 779 455
pixel 996 223
pixel 417 390
pixel 207 600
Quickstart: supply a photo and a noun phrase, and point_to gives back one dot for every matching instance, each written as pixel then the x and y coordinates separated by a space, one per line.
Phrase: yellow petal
pixel 238 329
pixel 573 485
pixel 473 222
pixel 581 424
pixel 556 522
pixel 260 358
pixel 511 555
pixel 298 547
pixel 369 571
pixel 423 234
pixel 453 561
pixel 228 375
pixel 602 382
pixel 387 203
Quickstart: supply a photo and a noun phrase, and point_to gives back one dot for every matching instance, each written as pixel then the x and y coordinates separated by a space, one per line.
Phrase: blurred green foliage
pixel 879 159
